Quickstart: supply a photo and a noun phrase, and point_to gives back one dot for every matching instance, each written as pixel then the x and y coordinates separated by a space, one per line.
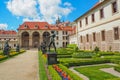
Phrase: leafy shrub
pixel 114 79
pixel 64 56
pixel 96 50
pixel 72 46
pixel 76 62
pixel 72 75
pixel 117 68
pixel 115 61
pixel 54 74
pixel 83 55
pixel 65 51
pixel 105 53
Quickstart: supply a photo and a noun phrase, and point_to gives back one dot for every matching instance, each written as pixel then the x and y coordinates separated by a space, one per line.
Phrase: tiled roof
pixel 8 32
pixel 42 26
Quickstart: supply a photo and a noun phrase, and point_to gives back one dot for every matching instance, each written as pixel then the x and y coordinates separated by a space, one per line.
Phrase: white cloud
pixel 24 8
pixel 3 26
pixel 51 9
pixel 41 10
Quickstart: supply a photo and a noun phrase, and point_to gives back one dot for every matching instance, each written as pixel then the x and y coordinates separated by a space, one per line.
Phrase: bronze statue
pixel 52 40
pixel 6 48
pixel 17 48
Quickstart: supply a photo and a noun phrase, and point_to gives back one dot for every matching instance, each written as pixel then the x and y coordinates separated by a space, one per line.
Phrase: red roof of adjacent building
pixel 42 26
pixel 8 32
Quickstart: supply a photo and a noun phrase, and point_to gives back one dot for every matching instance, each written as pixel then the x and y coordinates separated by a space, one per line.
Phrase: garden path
pixel 21 67
pixel 111 71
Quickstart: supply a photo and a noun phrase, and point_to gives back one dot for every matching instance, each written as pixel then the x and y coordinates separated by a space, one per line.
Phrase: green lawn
pixel 94 72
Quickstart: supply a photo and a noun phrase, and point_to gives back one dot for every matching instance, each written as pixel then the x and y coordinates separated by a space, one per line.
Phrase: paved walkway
pixel 21 67
pixel 111 71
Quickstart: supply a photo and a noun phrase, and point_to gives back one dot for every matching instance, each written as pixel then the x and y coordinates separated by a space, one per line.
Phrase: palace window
pixel 94 37
pixel 116 33
pixel 26 26
pixel 36 26
pixel 93 18
pixel 80 23
pixel 103 35
pixel 57 38
pixel 87 36
pixel 86 20
pixel 101 13
pixel 81 39
pixel 114 7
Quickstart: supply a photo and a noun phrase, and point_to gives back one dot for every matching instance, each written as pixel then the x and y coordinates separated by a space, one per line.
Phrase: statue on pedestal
pixel 43 47
pixel 6 50
pixel 52 40
pixel 17 48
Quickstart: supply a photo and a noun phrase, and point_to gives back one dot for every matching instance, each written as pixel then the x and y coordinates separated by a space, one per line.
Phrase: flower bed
pixel 70 73
pixel 13 53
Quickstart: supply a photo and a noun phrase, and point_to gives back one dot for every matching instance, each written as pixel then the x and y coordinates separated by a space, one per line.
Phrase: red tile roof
pixel 42 26
pixel 8 32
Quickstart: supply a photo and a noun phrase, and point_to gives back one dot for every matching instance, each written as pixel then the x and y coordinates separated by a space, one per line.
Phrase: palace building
pixel 8 35
pixel 100 27
pixel 32 34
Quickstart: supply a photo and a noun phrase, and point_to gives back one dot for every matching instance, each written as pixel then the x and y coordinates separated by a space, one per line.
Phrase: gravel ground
pixel 21 67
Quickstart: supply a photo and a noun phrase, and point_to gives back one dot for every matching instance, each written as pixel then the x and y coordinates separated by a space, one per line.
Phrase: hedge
pixel 69 72
pixel 54 74
pixel 117 68
pixel 83 55
pixel 76 62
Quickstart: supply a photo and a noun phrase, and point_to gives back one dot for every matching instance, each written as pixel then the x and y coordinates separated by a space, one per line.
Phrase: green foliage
pixel 42 71
pixel 96 50
pixel 54 74
pixel 105 53
pixel 64 56
pixel 83 55
pixel 65 51
pixel 114 79
pixel 94 72
pixel 117 68
pixel 72 75
pixel 79 62
pixel 72 46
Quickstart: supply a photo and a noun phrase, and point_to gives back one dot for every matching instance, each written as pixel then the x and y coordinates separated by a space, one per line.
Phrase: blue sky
pixel 15 12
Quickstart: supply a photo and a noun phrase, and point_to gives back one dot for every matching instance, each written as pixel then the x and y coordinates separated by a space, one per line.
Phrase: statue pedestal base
pixel 51 58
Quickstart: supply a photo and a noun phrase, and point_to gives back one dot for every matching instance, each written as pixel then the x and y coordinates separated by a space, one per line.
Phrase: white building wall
pixel 108 23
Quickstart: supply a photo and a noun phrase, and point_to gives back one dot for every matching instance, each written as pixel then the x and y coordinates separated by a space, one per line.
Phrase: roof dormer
pixel 36 26
pixel 25 26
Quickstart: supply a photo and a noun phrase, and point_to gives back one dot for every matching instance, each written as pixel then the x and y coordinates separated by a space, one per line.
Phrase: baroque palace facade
pixel 8 35
pixel 100 27
pixel 32 34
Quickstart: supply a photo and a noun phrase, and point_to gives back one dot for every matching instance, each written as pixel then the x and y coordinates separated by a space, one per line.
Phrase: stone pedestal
pixel 51 58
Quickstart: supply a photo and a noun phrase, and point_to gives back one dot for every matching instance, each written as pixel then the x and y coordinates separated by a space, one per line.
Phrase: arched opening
pixel 25 39
pixel 46 37
pixel 35 39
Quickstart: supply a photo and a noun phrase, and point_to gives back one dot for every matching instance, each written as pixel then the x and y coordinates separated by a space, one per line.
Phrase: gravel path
pixel 111 71
pixel 21 67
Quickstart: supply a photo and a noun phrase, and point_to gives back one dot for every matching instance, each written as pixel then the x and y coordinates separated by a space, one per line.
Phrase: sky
pixel 15 12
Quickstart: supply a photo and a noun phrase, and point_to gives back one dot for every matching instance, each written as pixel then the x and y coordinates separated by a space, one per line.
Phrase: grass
pixel 42 71
pixel 94 72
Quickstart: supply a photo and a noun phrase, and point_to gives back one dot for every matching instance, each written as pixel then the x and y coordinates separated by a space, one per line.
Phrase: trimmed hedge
pixel 54 74
pixel 83 55
pixel 77 62
pixel 64 56
pixel 117 68
pixel 114 79
pixel 69 72
pixel 42 71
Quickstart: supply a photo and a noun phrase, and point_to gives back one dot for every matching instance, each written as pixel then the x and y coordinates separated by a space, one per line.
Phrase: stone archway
pixel 25 39
pixel 35 39
pixel 46 37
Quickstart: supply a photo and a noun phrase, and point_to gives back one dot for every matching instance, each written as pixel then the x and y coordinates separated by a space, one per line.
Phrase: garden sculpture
pixel 52 40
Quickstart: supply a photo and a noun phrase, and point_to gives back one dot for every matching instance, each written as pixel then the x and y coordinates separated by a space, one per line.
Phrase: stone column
pixel 30 41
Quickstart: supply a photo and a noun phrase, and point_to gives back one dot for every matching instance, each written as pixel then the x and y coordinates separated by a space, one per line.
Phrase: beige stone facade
pixel 8 35
pixel 32 37
pixel 100 27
